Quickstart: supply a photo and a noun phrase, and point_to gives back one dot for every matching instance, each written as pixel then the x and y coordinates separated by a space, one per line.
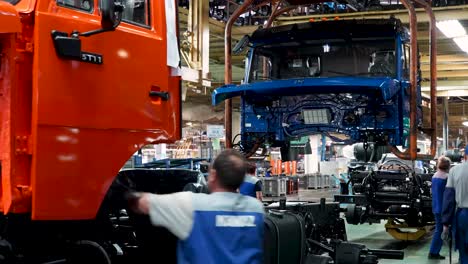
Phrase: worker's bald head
pixel 230 167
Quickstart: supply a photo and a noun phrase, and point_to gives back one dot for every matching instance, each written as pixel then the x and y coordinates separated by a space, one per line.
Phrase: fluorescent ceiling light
pixel 462 42
pixel 465 123
pixel 451 28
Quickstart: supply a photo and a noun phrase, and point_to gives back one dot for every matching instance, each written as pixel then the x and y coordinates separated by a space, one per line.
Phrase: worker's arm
pixel 258 190
pixel 172 211
pixel 449 202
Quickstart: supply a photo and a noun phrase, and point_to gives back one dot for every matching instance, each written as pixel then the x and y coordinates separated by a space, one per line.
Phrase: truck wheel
pixel 6 252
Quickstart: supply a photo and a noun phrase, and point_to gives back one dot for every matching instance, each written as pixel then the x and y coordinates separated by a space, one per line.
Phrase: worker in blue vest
pixel 221 227
pixel 252 186
pixel 439 180
pixel 455 207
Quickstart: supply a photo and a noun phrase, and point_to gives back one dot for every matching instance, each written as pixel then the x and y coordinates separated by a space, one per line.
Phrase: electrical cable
pixel 95 245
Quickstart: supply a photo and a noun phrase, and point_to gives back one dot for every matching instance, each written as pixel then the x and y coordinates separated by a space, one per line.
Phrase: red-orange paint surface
pixel 81 121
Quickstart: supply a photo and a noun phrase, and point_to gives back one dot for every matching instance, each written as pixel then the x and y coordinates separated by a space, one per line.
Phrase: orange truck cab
pixel 84 84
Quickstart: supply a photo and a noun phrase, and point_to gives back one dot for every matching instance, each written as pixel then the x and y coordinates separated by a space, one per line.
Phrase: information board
pixel 215 131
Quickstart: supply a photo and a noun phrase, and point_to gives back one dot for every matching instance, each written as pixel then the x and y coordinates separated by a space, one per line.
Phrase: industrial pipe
pixel 228 68
pixel 433 66
pixel 413 82
pixel 228 64
pixel 273 16
pixel 275 13
pixel 445 124
pixel 413 79
pixel 411 152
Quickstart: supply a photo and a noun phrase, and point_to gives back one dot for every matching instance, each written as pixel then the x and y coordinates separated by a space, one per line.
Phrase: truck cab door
pixel 91 113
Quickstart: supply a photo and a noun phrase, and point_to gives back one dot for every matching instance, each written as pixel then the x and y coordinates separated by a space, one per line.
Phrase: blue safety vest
pixel 439 180
pixel 248 186
pixel 227 228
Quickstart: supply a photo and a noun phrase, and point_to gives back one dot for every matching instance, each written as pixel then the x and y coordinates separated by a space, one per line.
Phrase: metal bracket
pixel 23 145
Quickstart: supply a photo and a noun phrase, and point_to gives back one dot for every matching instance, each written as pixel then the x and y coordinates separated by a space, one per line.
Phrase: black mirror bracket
pixel 69 48
pixel 90 33
pixel 66 46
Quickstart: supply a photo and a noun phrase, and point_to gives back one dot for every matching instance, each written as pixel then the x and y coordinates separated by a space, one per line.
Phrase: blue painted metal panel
pixel 386 87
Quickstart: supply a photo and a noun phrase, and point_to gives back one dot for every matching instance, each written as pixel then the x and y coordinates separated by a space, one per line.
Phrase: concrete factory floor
pixel 374 236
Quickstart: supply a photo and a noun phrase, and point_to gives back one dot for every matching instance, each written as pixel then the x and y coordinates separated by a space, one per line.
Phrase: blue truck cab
pixel 348 77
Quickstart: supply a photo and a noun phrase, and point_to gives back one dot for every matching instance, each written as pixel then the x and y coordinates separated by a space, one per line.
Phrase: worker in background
pixel 455 207
pixel 221 227
pixel 252 186
pixel 439 180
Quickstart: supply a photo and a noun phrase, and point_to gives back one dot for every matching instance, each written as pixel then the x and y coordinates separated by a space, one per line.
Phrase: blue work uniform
pixel 222 227
pixel 455 208
pixel 439 180
pixel 250 186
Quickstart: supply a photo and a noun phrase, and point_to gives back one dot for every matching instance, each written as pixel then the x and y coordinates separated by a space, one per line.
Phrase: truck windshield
pixel 13 2
pixel 319 58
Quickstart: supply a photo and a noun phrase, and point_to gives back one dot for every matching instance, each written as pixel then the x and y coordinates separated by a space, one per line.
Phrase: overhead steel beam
pixel 449 88
pixel 456 118
pixel 441 13
pixel 451 93
pixel 441 58
pixel 424 35
pixel 446 67
pixel 448 74
pixel 447 85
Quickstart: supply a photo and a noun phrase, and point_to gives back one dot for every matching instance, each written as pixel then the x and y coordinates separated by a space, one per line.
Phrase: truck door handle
pixel 163 95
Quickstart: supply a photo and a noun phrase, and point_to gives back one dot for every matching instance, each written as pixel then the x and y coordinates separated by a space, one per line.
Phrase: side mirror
pixel 111 14
pixel 240 46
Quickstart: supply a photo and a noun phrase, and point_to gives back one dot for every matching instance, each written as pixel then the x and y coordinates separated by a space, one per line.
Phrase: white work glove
pixel 445 234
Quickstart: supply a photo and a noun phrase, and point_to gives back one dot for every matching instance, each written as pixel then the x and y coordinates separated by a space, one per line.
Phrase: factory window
pixel 136 12
pixel 85 5
pixel 13 2
pixel 406 61
pixel 261 68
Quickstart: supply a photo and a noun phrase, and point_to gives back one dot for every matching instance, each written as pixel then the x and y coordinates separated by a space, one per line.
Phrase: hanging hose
pixel 373 153
pixel 105 256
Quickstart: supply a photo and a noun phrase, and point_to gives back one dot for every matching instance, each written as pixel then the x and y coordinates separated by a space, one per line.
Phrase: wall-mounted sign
pixel 215 131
